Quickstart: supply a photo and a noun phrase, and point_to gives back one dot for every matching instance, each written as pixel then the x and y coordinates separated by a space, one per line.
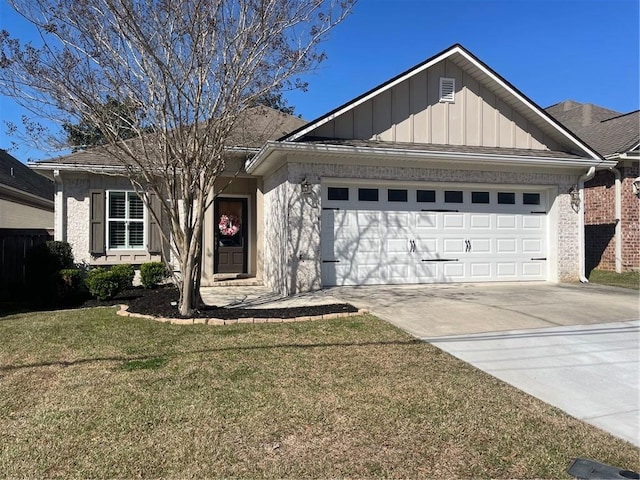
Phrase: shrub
pixel 71 277
pixel 124 274
pixel 102 284
pixel 70 286
pixel 61 251
pixel 152 273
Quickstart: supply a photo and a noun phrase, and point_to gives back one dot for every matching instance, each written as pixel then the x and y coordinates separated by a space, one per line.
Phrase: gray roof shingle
pixel 17 175
pixel 252 130
pixel 607 131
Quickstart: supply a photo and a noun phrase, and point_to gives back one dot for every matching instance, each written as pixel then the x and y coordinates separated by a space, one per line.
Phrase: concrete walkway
pixel 262 297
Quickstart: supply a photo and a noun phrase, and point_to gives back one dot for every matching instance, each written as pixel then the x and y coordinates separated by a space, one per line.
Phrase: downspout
pixel 59 211
pixel 581 246
pixel 618 219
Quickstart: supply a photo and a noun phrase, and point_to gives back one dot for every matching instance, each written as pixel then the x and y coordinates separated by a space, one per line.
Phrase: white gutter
pixel 581 247
pixel 618 219
pixel 350 150
pixel 75 167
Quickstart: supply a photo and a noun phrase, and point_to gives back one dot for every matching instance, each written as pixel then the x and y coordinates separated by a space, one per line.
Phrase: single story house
pixel 612 208
pixel 444 173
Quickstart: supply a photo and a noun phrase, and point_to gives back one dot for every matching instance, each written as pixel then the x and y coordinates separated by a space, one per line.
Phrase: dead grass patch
pixel 351 397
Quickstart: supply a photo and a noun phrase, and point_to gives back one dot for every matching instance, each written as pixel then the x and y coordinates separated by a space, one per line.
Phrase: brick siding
pixel 600 221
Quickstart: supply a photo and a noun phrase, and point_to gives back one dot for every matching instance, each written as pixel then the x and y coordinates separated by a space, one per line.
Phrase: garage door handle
pixel 439 211
pixel 539 258
pixel 538 213
pixel 441 260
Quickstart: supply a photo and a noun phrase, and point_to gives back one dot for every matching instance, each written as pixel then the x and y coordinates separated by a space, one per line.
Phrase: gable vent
pixel 447 89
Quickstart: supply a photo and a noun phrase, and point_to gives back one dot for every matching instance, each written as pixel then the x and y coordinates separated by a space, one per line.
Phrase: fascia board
pixel 276 152
pixel 76 167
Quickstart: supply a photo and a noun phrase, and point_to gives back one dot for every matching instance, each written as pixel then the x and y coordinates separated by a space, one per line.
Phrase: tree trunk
pixel 190 265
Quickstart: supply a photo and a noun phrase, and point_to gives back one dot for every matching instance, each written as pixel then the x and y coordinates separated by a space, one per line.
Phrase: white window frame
pixel 127 221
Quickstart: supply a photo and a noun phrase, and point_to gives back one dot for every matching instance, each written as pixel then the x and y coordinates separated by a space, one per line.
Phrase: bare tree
pixel 192 66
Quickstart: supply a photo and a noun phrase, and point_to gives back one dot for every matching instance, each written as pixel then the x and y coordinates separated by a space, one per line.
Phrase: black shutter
pixel 97 222
pixel 153 227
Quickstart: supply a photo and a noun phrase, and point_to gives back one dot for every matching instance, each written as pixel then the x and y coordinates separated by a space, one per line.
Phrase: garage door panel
pixel 506 245
pixel 533 222
pixel 533 269
pixel 532 246
pixel 506 222
pixel 400 246
pixel 453 245
pixel 480 270
pixel 453 220
pixel 427 245
pixel 397 223
pixel 425 221
pixel 424 271
pixel 399 272
pixel 480 245
pixel 480 221
pixel 507 269
pixel 453 271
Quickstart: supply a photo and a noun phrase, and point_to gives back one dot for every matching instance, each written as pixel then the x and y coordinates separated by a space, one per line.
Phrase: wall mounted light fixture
pixel 306 187
pixel 575 198
pixel 636 186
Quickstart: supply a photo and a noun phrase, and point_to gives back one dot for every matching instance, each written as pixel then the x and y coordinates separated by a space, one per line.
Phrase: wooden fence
pixel 14 245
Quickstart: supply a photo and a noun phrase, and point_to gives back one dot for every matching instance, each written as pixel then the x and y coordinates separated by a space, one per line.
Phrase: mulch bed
pixel 157 302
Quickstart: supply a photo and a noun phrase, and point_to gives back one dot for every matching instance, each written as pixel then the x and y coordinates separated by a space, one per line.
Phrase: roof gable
pixel 487 112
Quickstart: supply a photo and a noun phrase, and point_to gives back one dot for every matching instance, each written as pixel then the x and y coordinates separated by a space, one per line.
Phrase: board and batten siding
pixel 411 112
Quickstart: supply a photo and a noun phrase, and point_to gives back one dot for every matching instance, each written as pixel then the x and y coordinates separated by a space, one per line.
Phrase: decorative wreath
pixel 229 225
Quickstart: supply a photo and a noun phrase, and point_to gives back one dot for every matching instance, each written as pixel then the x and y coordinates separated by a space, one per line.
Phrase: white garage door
pixel 396 234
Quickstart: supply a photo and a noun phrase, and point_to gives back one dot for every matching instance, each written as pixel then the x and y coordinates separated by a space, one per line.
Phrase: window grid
pixel 125 220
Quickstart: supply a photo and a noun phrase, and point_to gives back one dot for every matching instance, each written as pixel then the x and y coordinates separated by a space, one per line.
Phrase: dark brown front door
pixel 231 235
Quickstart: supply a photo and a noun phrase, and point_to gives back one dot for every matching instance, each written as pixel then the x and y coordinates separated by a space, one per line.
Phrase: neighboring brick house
pixel 612 231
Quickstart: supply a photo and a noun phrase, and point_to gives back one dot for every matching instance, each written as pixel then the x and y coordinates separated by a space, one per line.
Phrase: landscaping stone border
pixel 123 312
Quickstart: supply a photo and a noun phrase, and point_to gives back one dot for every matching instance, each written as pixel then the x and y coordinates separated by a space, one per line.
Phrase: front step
pixel 234 280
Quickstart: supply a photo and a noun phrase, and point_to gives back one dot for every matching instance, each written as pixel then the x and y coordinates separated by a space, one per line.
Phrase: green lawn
pixel 89 394
pixel 626 279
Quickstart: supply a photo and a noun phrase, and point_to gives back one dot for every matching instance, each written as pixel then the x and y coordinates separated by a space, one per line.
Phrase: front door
pixel 231 235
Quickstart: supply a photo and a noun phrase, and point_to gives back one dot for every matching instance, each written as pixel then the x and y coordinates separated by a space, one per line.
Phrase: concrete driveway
pixel 573 346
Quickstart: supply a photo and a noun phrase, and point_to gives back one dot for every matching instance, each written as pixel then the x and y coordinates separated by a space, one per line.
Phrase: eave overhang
pixel 26 198
pixel 274 154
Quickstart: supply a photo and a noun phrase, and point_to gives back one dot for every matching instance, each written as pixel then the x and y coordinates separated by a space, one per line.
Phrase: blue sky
pixel 551 50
